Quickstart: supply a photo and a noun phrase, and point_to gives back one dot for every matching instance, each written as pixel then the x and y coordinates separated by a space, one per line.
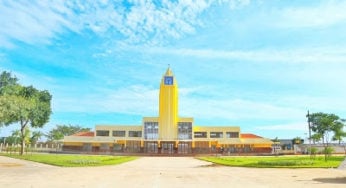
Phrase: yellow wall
pixel 168 109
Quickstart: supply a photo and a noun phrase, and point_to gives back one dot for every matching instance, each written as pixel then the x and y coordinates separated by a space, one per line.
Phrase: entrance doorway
pixel 167 147
pixel 150 147
pixel 184 147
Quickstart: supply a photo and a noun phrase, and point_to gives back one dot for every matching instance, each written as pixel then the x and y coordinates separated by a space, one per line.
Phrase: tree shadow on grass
pixel 339 180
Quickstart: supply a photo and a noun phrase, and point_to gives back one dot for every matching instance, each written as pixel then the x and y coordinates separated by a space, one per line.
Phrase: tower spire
pixel 169 71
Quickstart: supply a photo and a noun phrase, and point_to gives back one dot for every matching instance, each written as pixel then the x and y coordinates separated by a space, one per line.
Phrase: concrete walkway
pixel 163 172
pixel 342 165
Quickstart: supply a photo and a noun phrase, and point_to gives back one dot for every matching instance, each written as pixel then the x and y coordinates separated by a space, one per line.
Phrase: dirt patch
pixel 10 165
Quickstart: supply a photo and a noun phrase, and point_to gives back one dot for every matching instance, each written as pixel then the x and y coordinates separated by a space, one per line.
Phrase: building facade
pixel 168 133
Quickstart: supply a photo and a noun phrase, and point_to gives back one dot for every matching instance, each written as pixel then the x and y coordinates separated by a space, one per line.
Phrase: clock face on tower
pixel 168 80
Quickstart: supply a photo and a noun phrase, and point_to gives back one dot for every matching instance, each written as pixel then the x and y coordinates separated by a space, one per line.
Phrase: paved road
pixel 163 172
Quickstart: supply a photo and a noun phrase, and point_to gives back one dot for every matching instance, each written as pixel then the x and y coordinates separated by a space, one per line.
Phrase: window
pixel 135 133
pixel 232 134
pixel 151 130
pixel 87 147
pixel 184 130
pixel 216 135
pixel 102 133
pixel 104 147
pixel 119 133
pixel 200 134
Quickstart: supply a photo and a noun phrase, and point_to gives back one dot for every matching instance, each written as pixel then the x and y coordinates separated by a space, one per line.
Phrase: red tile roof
pixel 84 134
pixel 248 135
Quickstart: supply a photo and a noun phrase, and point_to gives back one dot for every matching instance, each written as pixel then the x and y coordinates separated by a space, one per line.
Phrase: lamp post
pixel 309 127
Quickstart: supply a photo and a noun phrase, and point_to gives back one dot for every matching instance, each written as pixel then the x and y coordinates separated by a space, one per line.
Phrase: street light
pixel 309 127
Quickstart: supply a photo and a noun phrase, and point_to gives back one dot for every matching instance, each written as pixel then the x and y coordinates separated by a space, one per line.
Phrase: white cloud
pixel 298 126
pixel 236 4
pixel 328 104
pixel 141 100
pixel 236 109
pixel 139 21
pixel 324 14
pixel 32 22
pixel 145 21
pixel 307 55
pixel 134 99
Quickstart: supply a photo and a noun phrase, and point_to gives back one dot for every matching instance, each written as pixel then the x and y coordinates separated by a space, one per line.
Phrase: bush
pixel 313 151
pixel 328 151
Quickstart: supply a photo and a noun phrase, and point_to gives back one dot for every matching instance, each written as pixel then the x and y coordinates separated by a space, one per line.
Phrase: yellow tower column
pixel 168 107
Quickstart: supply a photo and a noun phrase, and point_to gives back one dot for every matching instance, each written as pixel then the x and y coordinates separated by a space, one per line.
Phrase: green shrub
pixel 328 151
pixel 313 151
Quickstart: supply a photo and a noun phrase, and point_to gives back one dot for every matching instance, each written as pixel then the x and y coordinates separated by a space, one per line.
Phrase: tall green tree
pixel 60 131
pixel 326 126
pixel 26 106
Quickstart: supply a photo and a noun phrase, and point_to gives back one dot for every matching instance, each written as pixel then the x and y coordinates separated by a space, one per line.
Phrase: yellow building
pixel 168 133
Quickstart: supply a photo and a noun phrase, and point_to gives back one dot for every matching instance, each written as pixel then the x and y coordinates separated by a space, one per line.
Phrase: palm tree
pixel 36 135
pixel 15 137
pixel 297 140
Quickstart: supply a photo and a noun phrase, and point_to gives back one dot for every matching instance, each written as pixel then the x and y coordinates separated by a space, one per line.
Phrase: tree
pixel 29 137
pixel 24 105
pixel 35 136
pixel 316 137
pixel 324 125
pixel 297 140
pixel 6 79
pixel 64 130
pixel 14 138
pixel 339 133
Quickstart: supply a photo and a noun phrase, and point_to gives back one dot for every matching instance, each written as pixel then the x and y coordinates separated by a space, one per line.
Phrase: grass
pixel 73 160
pixel 277 161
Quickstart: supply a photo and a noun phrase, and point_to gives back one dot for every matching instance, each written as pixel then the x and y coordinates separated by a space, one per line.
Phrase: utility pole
pixel 309 127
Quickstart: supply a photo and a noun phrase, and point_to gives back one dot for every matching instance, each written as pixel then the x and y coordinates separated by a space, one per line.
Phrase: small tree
pixel 297 140
pixel 339 133
pixel 24 105
pixel 14 138
pixel 313 151
pixel 328 151
pixel 324 125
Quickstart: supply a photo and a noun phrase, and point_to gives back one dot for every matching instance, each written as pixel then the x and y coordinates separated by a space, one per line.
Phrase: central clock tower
pixel 168 107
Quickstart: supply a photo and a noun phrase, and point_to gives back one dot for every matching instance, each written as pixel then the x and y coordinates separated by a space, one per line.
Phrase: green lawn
pixel 277 161
pixel 73 160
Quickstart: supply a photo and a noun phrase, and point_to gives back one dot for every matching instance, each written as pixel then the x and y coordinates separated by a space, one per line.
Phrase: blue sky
pixel 255 64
